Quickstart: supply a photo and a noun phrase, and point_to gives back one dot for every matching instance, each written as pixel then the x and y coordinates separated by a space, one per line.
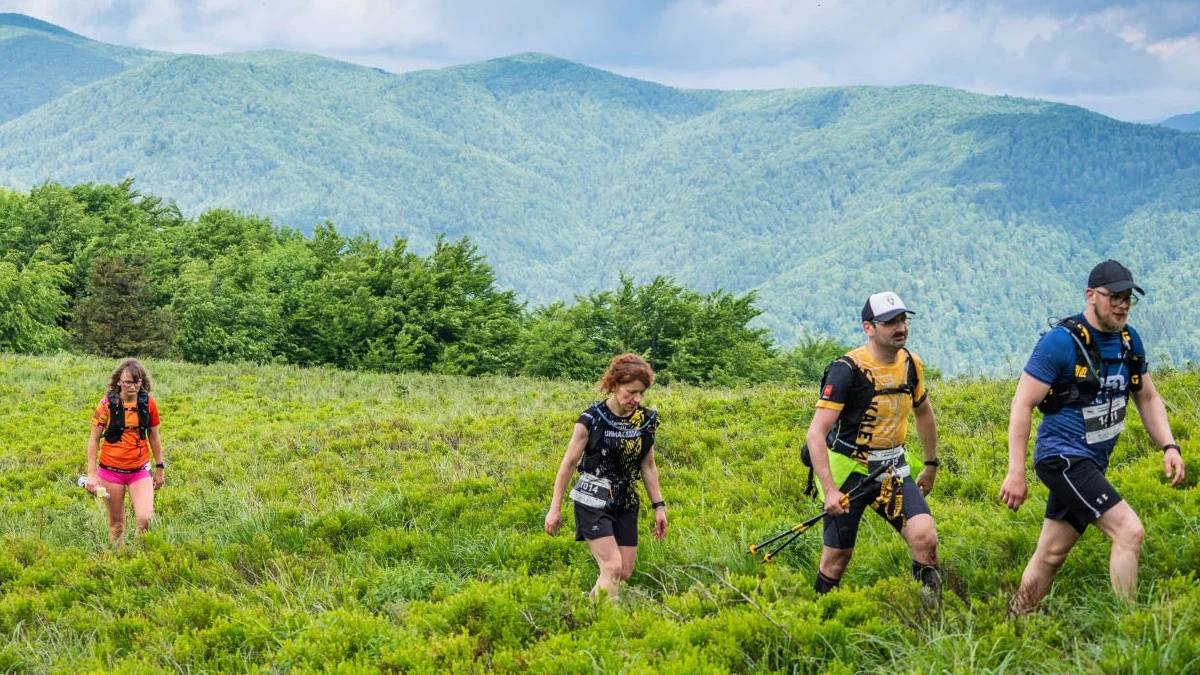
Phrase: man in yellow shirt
pixel 861 422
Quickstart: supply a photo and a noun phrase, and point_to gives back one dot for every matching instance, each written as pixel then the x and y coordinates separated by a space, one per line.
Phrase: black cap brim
pixel 1119 286
pixel 888 316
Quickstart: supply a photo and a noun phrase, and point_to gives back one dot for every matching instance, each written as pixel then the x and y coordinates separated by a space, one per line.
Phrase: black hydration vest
pixel 1085 383
pixel 116 417
pixel 604 464
pixel 857 408
pixel 863 393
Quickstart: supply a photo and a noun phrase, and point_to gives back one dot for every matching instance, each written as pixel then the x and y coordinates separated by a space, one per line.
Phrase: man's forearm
pixel 1019 420
pixel 927 432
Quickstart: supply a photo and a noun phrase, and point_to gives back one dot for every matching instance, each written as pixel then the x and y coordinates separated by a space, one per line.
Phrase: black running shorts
pixel 842 531
pixel 593 523
pixel 1079 492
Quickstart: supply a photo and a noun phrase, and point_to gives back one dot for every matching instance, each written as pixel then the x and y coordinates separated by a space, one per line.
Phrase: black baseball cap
pixel 1114 276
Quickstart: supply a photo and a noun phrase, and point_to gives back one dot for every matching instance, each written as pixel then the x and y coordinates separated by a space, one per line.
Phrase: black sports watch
pixel 655 505
pixel 160 465
pixel 935 462
pixel 1168 446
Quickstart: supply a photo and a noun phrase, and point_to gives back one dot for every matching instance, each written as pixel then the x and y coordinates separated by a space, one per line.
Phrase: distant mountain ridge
pixel 983 212
pixel 1188 122
pixel 42 61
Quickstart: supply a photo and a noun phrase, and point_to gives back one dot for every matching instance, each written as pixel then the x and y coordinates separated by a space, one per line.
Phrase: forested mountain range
pixel 984 212
pixel 1188 122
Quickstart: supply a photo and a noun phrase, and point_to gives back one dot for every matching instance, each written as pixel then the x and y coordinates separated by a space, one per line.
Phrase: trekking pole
pixel 796 530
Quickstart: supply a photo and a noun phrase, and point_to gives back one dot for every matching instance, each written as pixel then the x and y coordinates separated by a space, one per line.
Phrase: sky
pixel 1135 61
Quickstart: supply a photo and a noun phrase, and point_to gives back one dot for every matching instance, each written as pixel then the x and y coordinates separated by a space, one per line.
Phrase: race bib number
pixel 892 457
pixel 592 491
pixel 1103 421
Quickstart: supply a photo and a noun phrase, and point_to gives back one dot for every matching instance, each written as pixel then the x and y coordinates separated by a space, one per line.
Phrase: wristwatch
pixel 935 462
pixel 1168 446
pixel 160 465
pixel 655 505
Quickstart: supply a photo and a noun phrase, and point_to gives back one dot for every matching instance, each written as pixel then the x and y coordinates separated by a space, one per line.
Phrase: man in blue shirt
pixel 1080 375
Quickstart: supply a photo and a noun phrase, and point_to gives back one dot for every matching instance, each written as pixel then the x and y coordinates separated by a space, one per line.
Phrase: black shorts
pixel 1079 492
pixel 842 531
pixel 597 523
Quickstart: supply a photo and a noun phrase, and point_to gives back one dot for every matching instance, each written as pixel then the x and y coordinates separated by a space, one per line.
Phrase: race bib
pixel 893 457
pixel 1103 421
pixel 592 491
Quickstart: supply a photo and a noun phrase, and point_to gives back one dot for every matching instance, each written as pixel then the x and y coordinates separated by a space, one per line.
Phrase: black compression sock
pixel 929 575
pixel 824 584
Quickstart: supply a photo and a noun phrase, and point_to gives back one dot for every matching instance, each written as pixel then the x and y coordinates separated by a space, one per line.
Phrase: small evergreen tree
pixel 117 315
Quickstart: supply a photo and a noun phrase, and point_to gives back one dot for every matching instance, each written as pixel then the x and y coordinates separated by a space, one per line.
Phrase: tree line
pixel 110 271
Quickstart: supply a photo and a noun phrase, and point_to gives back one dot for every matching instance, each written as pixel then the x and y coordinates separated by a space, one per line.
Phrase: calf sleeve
pixel 824 584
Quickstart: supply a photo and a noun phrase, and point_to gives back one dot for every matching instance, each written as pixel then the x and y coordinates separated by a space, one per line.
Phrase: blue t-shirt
pixel 1090 431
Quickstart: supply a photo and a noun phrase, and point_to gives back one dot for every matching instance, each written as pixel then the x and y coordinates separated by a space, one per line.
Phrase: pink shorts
pixel 123 478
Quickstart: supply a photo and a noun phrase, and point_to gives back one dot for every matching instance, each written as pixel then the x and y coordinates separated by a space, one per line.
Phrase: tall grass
pixel 318 519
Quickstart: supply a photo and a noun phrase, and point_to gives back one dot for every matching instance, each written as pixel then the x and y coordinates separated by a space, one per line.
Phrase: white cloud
pixel 1015 34
pixel 1144 53
pixel 1133 35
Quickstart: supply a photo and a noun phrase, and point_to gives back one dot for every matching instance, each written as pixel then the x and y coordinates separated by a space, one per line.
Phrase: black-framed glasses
pixel 1115 299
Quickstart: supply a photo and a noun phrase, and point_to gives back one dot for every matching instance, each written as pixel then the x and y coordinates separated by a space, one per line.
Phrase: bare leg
pixel 922 539
pixel 116 513
pixel 1053 545
pixel 1125 529
pixel 834 561
pixel 141 494
pixel 608 557
pixel 628 559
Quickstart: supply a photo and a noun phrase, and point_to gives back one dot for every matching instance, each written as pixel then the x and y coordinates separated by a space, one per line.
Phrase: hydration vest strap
pixel 1084 349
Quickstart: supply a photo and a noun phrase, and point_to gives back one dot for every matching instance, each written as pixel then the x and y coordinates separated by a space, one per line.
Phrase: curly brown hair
pixel 136 370
pixel 623 369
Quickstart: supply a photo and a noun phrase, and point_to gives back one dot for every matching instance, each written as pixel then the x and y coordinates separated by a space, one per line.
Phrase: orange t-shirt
pixel 131 451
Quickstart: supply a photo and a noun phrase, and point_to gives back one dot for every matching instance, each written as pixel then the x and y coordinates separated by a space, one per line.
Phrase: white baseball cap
pixel 883 307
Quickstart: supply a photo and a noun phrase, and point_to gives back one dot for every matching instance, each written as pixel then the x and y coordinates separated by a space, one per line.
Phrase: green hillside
pixel 1188 122
pixel 984 212
pixel 42 61
pixel 324 520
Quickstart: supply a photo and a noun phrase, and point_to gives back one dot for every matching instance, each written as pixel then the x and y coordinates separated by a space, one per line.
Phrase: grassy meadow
pixel 321 520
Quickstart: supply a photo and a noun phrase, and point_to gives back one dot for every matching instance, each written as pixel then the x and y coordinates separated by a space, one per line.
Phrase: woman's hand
pixel 93 480
pixel 553 520
pixel 158 478
pixel 660 522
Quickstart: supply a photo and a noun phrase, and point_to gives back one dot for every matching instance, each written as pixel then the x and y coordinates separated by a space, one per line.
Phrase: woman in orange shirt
pixel 126 419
